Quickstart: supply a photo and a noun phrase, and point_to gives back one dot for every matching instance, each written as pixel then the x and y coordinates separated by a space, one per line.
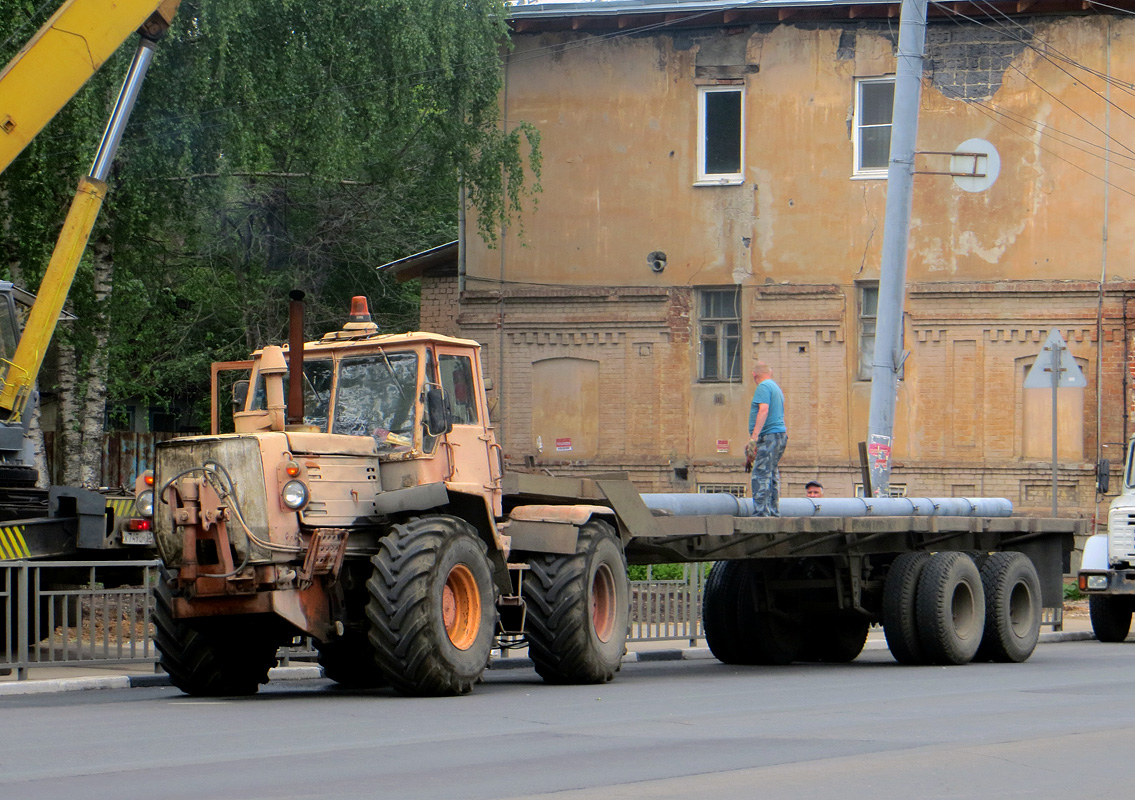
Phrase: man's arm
pixel 762 415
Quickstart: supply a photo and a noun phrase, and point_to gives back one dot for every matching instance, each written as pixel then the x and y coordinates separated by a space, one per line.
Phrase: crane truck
pixel 60 521
pixel 362 501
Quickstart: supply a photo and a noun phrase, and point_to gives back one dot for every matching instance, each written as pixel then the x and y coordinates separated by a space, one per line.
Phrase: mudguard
pixel 1095 553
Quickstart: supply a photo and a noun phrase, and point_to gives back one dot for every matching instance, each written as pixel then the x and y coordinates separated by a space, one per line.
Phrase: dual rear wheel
pixel 941 608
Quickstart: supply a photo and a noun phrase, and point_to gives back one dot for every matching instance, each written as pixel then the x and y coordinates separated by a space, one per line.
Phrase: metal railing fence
pixel 68 613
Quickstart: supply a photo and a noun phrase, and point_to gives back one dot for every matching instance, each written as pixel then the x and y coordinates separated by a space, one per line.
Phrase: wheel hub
pixel 461 607
pixel 603 603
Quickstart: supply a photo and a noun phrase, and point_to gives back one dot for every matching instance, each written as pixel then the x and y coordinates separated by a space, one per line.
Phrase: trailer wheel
pixel 950 608
pixel 774 637
pixel 1111 617
pixel 431 608
pixel 720 609
pixel 221 660
pixel 1012 608
pixel 350 661
pixel 835 637
pixel 579 609
pixel 899 595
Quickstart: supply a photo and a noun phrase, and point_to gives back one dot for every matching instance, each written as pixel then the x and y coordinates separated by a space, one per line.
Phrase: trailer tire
pixel 950 608
pixel 720 611
pixel 579 609
pixel 835 637
pixel 224 659
pixel 1012 608
pixel 349 660
pixel 900 594
pixel 432 609
pixel 1111 617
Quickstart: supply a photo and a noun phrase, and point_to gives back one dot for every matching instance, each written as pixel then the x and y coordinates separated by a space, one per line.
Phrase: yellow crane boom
pixel 36 84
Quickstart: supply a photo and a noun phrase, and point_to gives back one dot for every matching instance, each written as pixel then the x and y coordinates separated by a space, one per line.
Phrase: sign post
pixel 1054 367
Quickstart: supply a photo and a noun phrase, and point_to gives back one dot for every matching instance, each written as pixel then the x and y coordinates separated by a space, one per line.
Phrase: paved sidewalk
pixel 92 675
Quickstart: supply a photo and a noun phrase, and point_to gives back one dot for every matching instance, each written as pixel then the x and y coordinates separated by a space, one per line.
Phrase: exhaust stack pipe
pixel 295 357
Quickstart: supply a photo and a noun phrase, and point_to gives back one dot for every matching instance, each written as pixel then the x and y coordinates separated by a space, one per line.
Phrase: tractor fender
pixel 548 528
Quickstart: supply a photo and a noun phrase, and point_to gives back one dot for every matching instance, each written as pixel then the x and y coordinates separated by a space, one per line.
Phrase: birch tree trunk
pixel 93 412
pixel 69 447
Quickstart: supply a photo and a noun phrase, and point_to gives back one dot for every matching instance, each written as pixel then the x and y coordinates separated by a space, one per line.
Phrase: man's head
pixel 761 371
pixel 814 489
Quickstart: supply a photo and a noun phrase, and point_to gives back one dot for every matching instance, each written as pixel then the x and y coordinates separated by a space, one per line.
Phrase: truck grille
pixel 1121 535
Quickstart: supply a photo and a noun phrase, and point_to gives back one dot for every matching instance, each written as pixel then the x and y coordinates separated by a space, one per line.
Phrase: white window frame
pixel 859 171
pixel 718 178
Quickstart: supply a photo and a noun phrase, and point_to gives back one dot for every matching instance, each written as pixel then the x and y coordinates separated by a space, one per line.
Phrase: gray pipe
pixel 689 505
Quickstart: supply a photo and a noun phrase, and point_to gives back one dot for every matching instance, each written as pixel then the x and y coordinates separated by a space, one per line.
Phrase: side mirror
pixel 488 382
pixel 439 417
pixel 240 395
pixel 1103 476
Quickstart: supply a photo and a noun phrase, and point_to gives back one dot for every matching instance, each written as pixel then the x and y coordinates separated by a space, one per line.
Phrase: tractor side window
pixel 376 397
pixel 457 381
pixel 429 438
pixel 316 392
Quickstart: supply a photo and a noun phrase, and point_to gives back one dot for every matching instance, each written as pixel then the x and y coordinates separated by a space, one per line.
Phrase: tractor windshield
pixel 316 392
pixel 376 396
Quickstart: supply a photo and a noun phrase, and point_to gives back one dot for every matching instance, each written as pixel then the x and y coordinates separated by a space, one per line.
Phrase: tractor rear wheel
pixel 224 658
pixel 579 609
pixel 432 611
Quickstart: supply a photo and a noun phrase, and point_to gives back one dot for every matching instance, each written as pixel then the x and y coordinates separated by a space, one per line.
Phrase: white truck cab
pixel 1107 570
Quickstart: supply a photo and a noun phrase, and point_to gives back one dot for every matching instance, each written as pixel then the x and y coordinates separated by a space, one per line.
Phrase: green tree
pixel 277 144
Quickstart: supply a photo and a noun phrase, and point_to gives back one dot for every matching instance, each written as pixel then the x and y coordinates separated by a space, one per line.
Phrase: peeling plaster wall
pixel 989 271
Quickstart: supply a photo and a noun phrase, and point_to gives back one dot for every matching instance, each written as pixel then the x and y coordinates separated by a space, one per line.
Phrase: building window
pixel 721 121
pixel 735 489
pixel 868 310
pixel 896 490
pixel 874 100
pixel 720 335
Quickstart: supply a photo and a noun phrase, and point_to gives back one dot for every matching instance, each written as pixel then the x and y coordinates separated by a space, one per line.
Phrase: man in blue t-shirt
pixel 767 431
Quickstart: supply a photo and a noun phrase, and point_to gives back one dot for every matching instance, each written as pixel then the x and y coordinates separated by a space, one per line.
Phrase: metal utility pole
pixel 888 357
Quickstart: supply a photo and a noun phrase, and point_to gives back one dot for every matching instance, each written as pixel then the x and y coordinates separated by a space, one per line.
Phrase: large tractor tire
pixel 1012 608
pixel 579 609
pixel 349 660
pixel 432 609
pixel 720 608
pixel 835 637
pixel 900 592
pixel 950 608
pixel 1111 617
pixel 225 659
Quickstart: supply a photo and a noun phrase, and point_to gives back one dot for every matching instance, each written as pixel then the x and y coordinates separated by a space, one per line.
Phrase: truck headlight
pixel 294 494
pixel 144 503
pixel 1097 582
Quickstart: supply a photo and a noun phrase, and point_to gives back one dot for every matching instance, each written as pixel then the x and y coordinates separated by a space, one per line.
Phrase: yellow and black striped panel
pixel 122 506
pixel 12 544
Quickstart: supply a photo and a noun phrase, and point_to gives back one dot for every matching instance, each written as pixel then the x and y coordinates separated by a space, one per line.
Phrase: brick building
pixel 713 191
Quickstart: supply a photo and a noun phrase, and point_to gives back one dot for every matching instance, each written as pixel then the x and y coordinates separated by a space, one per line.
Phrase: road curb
pixel 307 672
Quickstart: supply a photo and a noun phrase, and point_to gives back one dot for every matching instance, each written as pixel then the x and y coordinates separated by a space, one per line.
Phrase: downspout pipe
pixel 690 505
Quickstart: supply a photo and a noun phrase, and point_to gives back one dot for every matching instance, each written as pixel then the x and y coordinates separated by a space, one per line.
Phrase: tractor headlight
pixel 1097 582
pixel 144 503
pixel 294 494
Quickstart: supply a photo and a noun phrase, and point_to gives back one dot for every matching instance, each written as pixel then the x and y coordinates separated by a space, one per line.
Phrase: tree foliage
pixel 277 144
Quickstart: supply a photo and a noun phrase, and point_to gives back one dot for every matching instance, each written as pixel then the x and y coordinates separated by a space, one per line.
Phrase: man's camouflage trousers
pixel 766 474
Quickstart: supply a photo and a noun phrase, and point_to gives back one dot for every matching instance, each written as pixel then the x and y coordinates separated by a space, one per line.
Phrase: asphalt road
pixel 1059 725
